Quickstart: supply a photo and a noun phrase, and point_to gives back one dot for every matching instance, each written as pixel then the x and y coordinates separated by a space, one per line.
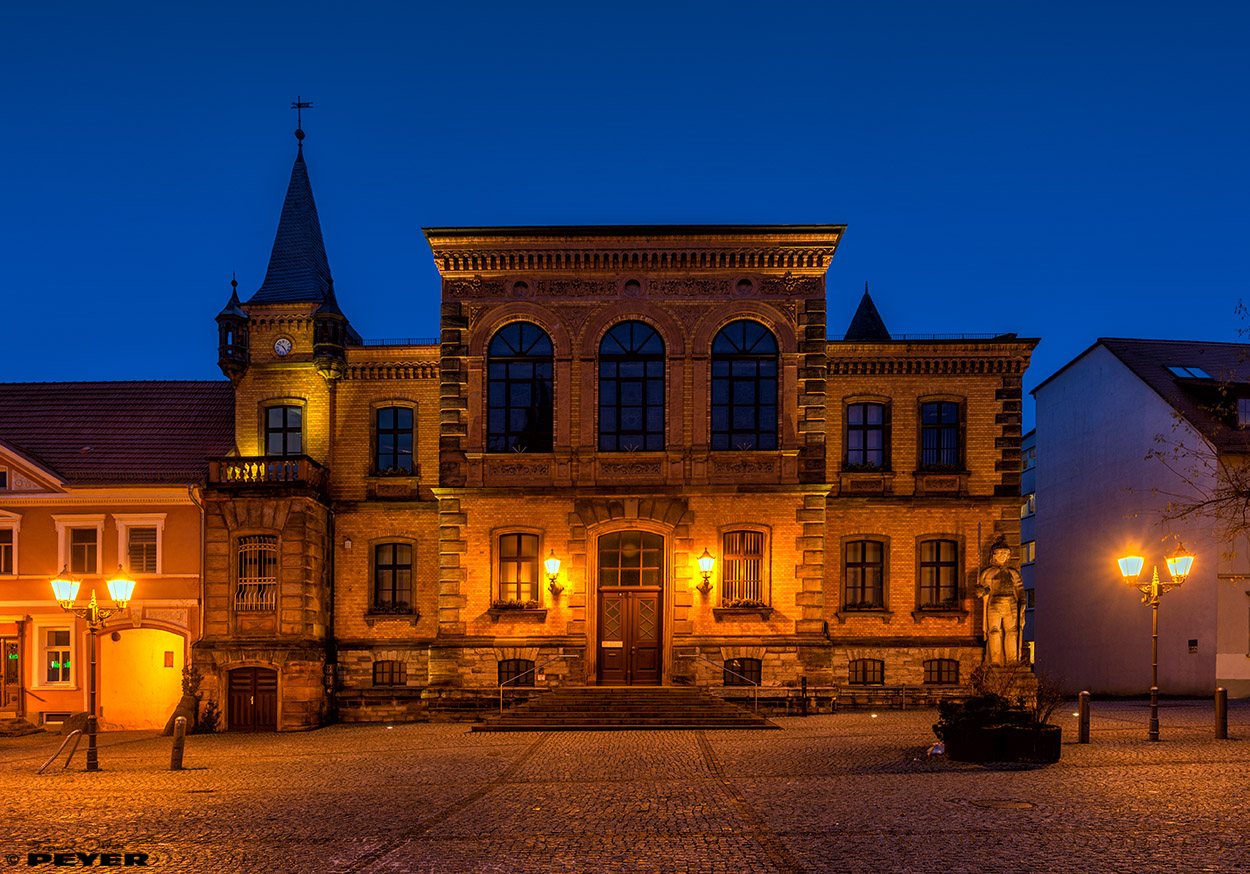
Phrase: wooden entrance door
pixel 631 586
pixel 10 674
pixel 253 699
pixel 629 638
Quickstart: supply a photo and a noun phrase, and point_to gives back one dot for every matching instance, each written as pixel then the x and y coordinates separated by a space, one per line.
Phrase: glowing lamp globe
pixel 1179 565
pixel 705 563
pixel 65 588
pixel 121 588
pixel 1130 566
pixel 552 564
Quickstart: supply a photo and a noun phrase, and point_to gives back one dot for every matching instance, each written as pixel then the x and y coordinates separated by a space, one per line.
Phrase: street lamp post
pixel 1130 568
pixel 65 590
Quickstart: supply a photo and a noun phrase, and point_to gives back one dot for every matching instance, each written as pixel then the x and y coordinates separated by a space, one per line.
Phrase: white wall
pixel 1096 422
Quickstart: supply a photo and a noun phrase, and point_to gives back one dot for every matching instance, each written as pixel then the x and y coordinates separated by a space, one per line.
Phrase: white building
pixel 1099 496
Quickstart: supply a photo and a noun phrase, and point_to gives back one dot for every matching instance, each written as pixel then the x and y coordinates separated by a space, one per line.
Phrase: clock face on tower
pixel 282 347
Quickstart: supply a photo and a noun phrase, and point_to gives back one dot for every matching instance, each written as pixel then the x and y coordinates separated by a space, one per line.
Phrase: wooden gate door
pixel 629 638
pixel 10 674
pixel 253 699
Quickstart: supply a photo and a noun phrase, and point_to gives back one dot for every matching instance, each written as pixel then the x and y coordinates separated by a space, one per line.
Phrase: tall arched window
pixel 744 387
pixel 631 388
pixel 518 391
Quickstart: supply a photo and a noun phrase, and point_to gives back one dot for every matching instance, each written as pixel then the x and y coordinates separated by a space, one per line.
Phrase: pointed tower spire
pixel 867 323
pixel 298 268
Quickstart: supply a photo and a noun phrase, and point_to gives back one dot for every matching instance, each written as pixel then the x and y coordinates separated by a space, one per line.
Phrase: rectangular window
pixel 1028 598
pixel 518 567
pixel 865 575
pixel 394 436
pixel 1029 505
pixel 392 576
pixel 6 550
pixel 743 672
pixel 4 478
pixel 389 673
pixel 866 672
pixel 939 435
pixel 83 551
pixel 631 558
pixel 1243 412
pixel 939 577
pixel 284 430
pixel 941 671
pixel 743 567
pixel 257 588
pixel 141 550
pixel 1030 458
pixel 1028 551
pixel 56 656
pixel 865 436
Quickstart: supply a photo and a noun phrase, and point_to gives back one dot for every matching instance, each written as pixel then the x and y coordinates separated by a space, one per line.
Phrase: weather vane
pixel 299 106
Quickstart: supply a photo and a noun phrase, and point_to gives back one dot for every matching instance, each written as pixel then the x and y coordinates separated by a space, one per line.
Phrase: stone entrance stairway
pixel 607 708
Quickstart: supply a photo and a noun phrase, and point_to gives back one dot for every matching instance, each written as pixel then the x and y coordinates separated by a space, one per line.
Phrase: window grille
pixel 742 566
pixel 257 585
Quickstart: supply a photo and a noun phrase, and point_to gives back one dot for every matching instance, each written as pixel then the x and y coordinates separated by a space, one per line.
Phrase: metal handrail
pixel 75 736
pixel 519 676
pixel 755 687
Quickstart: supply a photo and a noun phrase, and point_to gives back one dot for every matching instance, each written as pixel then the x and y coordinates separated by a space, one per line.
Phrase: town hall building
pixel 634 456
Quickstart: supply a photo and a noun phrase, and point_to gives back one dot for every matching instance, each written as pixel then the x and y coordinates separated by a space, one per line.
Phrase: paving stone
pixel 847 792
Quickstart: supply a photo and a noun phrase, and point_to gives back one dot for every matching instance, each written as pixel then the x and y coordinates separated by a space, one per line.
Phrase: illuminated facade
pixel 93 476
pixel 622 400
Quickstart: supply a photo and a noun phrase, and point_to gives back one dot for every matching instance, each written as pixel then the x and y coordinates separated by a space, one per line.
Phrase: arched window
pixel 744 387
pixel 518 390
pixel 631 389
pixel 867 672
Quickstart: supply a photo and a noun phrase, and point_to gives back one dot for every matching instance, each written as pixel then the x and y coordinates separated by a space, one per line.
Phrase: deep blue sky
pixel 1066 170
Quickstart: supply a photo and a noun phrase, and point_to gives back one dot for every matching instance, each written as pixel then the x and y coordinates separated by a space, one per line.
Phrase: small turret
pixel 232 336
pixel 330 331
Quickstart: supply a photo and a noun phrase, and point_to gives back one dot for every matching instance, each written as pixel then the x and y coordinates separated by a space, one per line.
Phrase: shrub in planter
pixel 974 730
pixel 1031 743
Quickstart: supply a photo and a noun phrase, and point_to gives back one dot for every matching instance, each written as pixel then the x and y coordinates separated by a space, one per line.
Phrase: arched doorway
pixel 252 699
pixel 630 619
pixel 140 676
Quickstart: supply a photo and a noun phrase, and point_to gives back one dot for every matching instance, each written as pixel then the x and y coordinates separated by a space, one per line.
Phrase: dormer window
pixel 1189 372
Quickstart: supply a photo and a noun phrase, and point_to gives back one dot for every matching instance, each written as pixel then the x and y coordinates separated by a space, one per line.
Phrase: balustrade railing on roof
pixel 402 341
pixel 290 470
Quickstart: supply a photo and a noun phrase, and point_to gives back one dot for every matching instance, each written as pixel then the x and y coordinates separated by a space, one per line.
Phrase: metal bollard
pixel 1083 731
pixel 804 694
pixel 180 738
pixel 1221 713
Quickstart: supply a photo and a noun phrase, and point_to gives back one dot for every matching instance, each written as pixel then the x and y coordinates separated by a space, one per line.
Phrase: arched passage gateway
pixel 140 676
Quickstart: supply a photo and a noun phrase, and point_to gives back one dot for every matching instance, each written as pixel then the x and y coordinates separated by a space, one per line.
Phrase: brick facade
pixel 803 502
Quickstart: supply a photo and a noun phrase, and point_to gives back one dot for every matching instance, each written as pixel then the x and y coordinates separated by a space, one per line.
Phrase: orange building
pixel 623 402
pixel 94 476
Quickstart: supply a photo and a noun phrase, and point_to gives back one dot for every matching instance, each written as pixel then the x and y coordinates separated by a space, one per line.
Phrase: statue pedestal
pixel 1010 681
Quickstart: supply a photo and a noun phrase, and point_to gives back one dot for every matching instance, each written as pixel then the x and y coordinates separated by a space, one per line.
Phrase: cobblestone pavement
pixel 851 792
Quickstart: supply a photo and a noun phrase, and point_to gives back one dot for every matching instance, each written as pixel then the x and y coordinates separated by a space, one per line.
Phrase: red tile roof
pixel 114 433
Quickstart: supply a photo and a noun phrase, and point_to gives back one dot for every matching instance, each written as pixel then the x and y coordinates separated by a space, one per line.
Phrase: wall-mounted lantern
pixel 706 562
pixel 553 570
